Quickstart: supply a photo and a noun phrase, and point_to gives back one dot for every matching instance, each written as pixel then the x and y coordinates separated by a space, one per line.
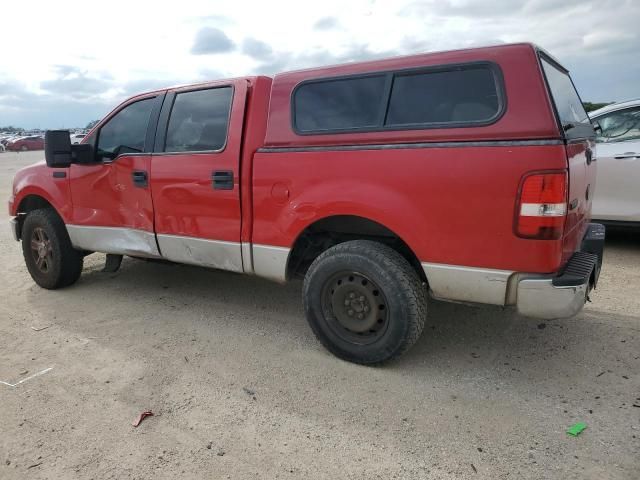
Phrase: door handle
pixel 222 180
pixel 140 178
pixel 589 154
pixel 627 155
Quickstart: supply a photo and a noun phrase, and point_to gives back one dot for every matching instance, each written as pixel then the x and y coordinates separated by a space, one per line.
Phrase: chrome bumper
pixel 564 295
pixel 15 229
pixel 539 298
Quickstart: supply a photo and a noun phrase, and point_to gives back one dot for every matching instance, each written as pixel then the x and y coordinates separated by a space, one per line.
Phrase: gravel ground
pixel 240 388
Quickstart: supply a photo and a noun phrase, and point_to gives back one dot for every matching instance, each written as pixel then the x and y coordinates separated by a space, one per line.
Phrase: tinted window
pixel 467 95
pixel 339 104
pixel 199 120
pixel 126 130
pixel 620 126
pixel 565 97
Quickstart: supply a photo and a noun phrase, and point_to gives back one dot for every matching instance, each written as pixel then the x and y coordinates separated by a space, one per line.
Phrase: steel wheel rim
pixel 41 250
pixel 355 308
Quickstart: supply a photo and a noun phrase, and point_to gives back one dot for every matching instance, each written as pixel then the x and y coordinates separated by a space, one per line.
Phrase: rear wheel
pixel 50 258
pixel 364 302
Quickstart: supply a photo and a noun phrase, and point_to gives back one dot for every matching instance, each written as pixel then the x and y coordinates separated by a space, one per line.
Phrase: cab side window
pixel 199 120
pixel 126 131
pixel 619 126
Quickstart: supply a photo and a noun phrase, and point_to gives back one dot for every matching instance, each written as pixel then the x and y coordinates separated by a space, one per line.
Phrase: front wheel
pixel 364 302
pixel 50 258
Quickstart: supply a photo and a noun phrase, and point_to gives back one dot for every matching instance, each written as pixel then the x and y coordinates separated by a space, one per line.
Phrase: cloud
pixel 76 83
pixel 486 9
pixel 326 23
pixel 288 60
pixel 24 108
pixel 210 40
pixel 216 20
pixel 209 75
pixel 256 48
pixel 598 40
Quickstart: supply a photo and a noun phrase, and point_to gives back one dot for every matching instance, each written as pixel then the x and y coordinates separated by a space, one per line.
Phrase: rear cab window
pixel 434 97
pixel 199 120
pixel 572 116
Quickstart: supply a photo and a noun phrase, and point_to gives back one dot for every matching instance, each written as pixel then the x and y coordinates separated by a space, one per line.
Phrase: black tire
pixel 50 258
pixel 360 274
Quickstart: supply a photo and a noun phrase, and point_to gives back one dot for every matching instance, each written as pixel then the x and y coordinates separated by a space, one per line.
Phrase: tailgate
pixel 579 136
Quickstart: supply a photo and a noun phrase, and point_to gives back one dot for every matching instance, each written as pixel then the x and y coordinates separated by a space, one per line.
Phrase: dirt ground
pixel 240 388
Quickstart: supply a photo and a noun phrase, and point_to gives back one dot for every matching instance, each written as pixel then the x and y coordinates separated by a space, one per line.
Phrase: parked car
pixel 76 138
pixel 617 199
pixel 377 182
pixel 26 143
pixel 8 138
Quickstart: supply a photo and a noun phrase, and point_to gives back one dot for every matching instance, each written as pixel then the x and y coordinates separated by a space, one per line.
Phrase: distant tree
pixel 91 124
pixel 590 107
pixel 11 129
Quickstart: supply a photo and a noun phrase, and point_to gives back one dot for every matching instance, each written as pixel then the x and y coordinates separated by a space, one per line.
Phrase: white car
pixel 617 194
pixel 77 138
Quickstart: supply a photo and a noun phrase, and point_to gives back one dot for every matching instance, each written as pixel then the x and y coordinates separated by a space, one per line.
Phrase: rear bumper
pixel 564 295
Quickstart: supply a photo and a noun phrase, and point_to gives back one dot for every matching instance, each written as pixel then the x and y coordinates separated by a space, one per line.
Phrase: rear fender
pixel 390 209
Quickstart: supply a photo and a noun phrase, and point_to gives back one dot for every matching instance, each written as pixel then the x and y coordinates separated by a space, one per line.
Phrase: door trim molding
pixel 271 262
pixel 266 261
pixel 467 284
pixel 202 252
pixel 116 240
pixel 247 257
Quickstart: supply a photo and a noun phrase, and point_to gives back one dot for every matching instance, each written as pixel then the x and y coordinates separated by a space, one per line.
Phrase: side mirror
pixel 59 153
pixel 83 153
pixel 596 127
pixel 57 148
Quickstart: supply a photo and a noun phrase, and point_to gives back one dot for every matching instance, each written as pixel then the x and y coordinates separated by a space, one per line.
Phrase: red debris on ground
pixel 142 416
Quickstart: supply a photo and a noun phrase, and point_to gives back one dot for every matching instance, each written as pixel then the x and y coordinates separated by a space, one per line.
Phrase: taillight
pixel 542 206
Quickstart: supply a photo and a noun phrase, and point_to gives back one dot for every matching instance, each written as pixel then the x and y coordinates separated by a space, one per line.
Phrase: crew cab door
pixel 112 208
pixel 618 153
pixel 195 169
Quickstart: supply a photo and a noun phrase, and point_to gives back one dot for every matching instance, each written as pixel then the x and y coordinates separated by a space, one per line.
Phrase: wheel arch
pixel 325 232
pixel 30 202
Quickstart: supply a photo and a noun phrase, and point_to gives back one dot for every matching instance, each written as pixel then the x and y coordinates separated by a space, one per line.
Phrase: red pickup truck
pixel 466 175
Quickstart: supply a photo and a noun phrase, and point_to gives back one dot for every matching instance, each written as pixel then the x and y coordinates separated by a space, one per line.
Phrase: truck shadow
pixel 483 343
pixel 624 238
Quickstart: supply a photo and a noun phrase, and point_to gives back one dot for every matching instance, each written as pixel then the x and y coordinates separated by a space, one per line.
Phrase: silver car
pixel 617 195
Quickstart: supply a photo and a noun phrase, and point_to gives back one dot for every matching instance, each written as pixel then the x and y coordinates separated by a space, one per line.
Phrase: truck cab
pixel 463 176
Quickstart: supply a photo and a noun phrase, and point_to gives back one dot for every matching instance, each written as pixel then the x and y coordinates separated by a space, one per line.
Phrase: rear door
pixel 579 138
pixel 195 169
pixel 618 153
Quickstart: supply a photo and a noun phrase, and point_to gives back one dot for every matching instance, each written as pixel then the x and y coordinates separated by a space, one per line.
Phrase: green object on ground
pixel 576 429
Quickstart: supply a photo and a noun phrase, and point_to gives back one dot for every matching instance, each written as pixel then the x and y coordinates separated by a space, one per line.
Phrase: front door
pixel 195 182
pixel 617 195
pixel 112 207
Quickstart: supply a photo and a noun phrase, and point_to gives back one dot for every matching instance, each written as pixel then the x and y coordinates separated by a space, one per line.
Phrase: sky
pixel 66 62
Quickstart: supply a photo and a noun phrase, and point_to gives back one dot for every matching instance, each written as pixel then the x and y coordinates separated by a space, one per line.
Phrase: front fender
pixel 39 181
